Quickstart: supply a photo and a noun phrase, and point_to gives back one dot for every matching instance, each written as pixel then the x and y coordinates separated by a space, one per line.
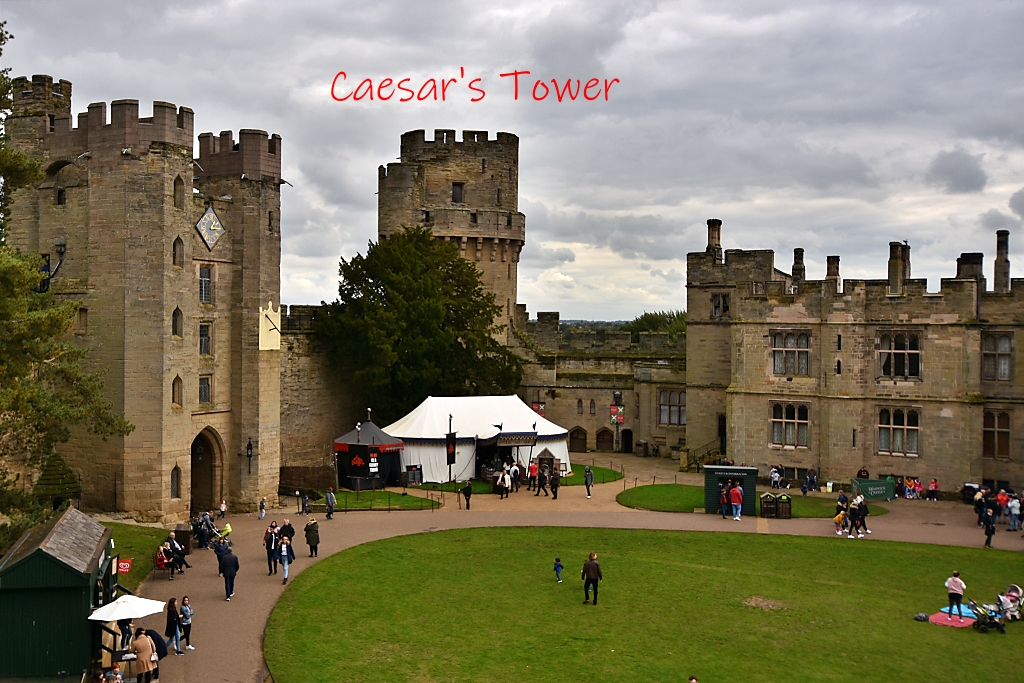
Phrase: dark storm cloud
pixel 957 172
pixel 801 123
pixel 1017 202
pixel 993 219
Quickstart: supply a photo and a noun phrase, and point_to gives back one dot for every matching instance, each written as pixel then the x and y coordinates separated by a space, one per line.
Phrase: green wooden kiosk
pixel 50 581
pixel 714 475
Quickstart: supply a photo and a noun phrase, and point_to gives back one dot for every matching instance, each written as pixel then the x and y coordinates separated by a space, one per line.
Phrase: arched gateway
pixel 206 454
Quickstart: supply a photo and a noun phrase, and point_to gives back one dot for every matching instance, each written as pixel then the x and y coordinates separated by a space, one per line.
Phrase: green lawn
pixel 139 543
pixel 379 500
pixel 602 475
pixel 478 486
pixel 684 498
pixel 483 605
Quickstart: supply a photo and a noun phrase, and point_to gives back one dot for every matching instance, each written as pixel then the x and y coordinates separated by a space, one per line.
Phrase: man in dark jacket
pixel 467 491
pixel 542 482
pixel 556 481
pixel 229 565
pixel 271 539
pixel 221 548
pixel 591 576
pixel 990 527
pixel 288 530
pixel 178 550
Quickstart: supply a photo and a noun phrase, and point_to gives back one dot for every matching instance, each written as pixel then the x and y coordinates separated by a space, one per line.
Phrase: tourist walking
pixel 467 491
pixel 588 479
pixel 1014 507
pixel 556 481
pixel 812 479
pixel 186 622
pixel 955 587
pixel 287 530
pixel 862 508
pixel 736 498
pixel 287 556
pixel 514 473
pixel 532 481
pixel 221 548
pixel 591 576
pixel 223 510
pixel 723 498
pixel 305 505
pixel 173 629
pixel 776 478
pixel 542 482
pixel 271 540
pixel 229 567
pixel 146 656
pixel 332 500
pixel 312 531
pixel 558 569
pixel 263 508
pixel 990 527
pixel 506 483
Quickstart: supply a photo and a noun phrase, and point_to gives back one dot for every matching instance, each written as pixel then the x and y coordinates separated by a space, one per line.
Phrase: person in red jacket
pixel 736 498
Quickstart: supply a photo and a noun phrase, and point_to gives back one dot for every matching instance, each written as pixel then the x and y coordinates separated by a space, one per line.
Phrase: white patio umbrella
pixel 127 607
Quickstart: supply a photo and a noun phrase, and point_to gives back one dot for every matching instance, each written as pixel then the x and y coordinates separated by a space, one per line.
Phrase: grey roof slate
pixel 72 538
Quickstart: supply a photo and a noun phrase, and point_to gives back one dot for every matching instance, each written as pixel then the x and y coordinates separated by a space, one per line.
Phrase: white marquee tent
pixel 475 420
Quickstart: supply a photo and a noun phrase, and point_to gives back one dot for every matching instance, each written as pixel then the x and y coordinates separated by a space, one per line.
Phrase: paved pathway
pixel 228 635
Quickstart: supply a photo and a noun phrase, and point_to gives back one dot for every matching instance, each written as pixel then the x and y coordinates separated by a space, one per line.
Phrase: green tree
pixel 43 389
pixel 17 169
pixel 413 320
pixel 673 322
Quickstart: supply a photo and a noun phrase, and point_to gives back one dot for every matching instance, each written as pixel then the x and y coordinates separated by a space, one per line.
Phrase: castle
pixel 176 260
pixel 837 375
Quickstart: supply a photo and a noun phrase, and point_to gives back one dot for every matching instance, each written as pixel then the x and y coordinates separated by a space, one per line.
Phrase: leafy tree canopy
pixel 43 389
pixel 673 322
pixel 17 169
pixel 413 320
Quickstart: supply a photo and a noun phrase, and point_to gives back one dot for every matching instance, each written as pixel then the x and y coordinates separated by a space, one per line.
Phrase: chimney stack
pixel 969 267
pixel 1002 283
pixel 895 268
pixel 832 268
pixel 799 272
pixel 715 239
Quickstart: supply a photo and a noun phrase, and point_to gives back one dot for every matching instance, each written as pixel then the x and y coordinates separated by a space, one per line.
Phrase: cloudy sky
pixel 835 127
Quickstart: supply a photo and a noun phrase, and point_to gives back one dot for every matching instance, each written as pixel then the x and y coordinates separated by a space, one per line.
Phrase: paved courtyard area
pixel 228 636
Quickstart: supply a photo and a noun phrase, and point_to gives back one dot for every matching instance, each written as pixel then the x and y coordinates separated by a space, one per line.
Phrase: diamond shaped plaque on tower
pixel 210 228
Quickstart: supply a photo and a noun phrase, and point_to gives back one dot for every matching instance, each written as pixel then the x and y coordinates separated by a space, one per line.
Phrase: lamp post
pixel 249 453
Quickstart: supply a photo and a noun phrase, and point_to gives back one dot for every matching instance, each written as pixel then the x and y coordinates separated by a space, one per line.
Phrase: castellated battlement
pixel 415 146
pixel 41 115
pixel 256 155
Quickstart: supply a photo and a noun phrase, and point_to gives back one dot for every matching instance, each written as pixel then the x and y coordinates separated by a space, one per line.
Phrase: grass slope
pixel 379 500
pixel 483 605
pixel 140 544
pixel 684 498
pixel 602 475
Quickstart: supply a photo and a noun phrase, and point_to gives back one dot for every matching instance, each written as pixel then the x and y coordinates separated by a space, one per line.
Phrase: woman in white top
pixel 956 588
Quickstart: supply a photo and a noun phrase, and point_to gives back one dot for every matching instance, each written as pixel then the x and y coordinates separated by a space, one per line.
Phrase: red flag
pixel 124 566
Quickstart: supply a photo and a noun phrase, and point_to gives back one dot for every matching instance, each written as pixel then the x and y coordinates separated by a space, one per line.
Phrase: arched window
pixel 176 482
pixel 178 253
pixel 579 406
pixel 593 407
pixel 179 193
pixel 176 391
pixel 177 323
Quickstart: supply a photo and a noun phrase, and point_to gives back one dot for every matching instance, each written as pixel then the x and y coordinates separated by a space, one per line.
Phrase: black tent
pixel 368 458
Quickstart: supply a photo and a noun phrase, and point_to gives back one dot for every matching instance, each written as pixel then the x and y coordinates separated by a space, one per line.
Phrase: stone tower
pixel 467 192
pixel 177 264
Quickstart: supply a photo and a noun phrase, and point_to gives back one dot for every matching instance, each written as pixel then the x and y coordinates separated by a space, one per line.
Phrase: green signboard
pixel 873 489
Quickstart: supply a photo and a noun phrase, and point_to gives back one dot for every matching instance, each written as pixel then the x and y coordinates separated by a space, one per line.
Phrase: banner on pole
pixel 449 444
pixel 124 566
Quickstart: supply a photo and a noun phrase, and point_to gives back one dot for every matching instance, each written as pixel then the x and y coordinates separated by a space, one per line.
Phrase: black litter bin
pixel 784 507
pixel 183 535
pixel 768 505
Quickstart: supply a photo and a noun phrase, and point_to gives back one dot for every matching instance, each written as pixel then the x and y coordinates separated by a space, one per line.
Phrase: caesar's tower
pixel 465 192
pixel 176 263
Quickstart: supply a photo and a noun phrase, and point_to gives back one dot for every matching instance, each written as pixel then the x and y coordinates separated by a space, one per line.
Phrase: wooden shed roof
pixel 72 538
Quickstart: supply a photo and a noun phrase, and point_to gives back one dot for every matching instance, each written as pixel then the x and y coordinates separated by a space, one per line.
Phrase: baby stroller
pixel 986 618
pixel 1008 603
